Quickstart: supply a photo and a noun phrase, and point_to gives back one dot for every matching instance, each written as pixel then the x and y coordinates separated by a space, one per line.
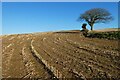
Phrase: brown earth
pixel 106 30
pixel 59 55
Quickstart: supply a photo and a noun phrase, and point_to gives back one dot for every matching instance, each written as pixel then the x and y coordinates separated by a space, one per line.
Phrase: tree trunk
pixel 91 28
pixel 91 25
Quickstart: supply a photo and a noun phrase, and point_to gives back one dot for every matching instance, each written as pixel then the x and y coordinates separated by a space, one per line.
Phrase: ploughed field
pixel 58 55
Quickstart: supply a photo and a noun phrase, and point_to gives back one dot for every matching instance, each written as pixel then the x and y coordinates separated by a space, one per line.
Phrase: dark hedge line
pixel 105 35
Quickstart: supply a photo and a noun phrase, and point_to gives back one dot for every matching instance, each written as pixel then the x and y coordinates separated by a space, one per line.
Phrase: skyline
pixel 60 0
pixel 29 17
pixel 0 18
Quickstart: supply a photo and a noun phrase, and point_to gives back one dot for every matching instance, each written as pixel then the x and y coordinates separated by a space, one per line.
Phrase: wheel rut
pixel 57 56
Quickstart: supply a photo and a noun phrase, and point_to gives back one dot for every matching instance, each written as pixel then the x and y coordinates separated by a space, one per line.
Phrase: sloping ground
pixel 105 35
pixel 107 30
pixel 59 55
pixel 0 58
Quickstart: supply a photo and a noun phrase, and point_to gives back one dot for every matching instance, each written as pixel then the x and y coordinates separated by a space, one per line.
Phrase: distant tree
pixel 96 15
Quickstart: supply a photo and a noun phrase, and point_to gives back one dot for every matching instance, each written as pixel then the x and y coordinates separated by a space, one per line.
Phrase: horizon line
pixel 52 31
pixel 59 1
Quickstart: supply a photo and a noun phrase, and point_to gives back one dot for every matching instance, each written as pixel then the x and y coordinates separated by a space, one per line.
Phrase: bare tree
pixel 96 15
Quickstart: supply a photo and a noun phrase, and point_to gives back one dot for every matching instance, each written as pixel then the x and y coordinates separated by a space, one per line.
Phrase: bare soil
pixel 107 30
pixel 58 55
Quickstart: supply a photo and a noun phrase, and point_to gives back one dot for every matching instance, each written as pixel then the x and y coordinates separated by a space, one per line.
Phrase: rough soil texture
pixel 107 30
pixel 59 55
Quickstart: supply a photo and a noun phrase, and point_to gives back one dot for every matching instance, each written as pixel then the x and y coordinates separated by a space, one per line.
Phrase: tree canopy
pixel 96 15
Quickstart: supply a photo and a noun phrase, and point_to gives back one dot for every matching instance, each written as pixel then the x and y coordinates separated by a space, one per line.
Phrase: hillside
pixel 58 55
pixel 108 30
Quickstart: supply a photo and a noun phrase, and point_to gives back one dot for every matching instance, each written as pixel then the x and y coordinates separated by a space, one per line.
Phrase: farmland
pixel 58 55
